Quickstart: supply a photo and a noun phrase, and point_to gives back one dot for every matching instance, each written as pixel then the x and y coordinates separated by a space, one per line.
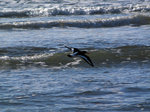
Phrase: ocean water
pixel 36 75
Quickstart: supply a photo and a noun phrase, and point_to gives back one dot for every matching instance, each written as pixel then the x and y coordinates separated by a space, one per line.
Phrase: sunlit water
pixel 37 76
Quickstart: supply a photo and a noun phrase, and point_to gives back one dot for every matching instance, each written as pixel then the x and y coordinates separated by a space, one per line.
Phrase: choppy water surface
pixel 75 89
pixel 36 74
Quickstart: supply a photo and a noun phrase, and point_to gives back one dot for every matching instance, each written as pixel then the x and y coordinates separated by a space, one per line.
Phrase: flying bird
pixel 82 54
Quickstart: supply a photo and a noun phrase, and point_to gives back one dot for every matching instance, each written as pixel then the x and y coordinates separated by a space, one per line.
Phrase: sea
pixel 36 75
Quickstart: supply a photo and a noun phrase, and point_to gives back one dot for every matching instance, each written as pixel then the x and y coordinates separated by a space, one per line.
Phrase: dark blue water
pixel 37 76
pixel 100 89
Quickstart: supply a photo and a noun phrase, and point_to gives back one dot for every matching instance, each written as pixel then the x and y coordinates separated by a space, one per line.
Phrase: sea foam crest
pixel 24 58
pixel 74 11
pixel 97 23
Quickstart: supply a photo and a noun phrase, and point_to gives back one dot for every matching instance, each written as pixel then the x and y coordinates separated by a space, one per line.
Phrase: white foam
pixel 76 62
pixel 25 58
pixel 57 10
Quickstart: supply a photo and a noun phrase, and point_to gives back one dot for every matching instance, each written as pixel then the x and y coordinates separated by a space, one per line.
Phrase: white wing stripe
pixel 74 54
pixel 84 58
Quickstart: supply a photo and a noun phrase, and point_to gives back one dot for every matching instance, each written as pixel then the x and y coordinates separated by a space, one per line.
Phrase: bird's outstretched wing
pixel 72 55
pixel 87 59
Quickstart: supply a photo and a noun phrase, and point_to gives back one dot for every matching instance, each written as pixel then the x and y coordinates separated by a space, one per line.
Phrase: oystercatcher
pixel 77 53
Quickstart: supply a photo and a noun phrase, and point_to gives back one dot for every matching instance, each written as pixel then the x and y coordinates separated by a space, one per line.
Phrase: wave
pixel 98 23
pixel 54 11
pixel 24 50
pixel 100 57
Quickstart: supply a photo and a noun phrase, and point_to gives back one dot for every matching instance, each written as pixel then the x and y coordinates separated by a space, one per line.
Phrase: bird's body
pixel 82 54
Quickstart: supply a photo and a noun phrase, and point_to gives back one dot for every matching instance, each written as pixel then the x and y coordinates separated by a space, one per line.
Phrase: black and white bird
pixel 77 53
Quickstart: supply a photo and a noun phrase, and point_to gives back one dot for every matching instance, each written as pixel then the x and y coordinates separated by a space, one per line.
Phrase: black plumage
pixel 81 54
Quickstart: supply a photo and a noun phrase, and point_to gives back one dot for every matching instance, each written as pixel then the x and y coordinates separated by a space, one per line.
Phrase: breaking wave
pixel 54 11
pixel 98 23
pixel 100 57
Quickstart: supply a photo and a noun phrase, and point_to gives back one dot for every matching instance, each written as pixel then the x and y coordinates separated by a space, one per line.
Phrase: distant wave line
pixel 97 23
